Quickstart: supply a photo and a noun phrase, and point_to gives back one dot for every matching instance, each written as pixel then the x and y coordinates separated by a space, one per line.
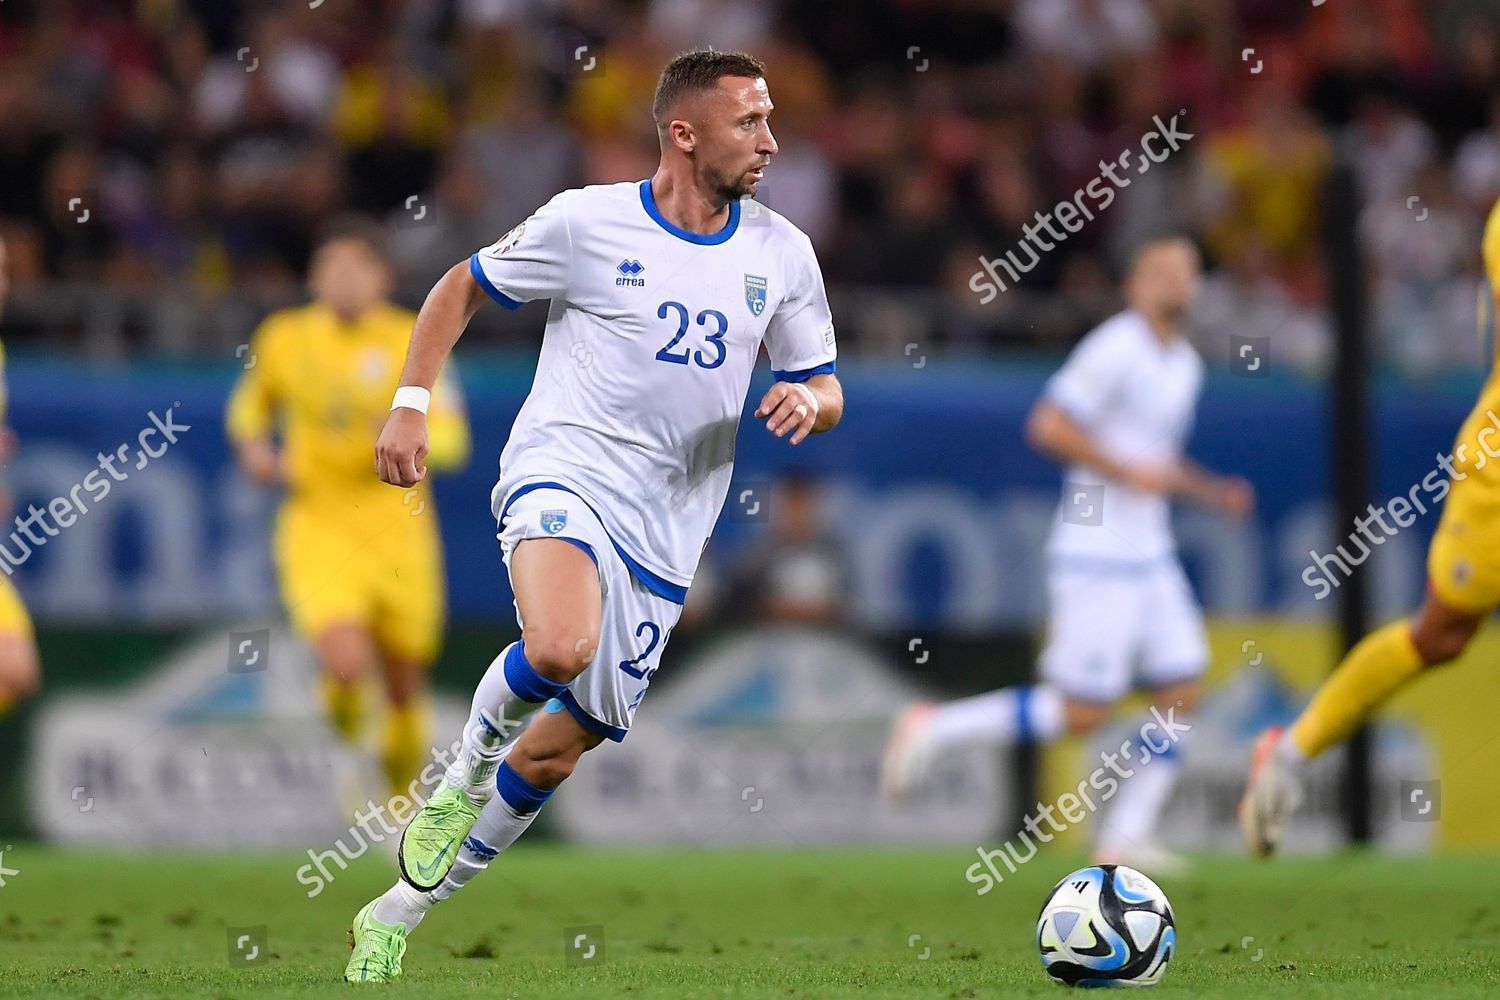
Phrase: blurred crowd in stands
pixel 166 164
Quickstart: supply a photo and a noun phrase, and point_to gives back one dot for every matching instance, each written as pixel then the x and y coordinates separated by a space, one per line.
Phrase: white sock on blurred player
pixel 1022 714
pixel 1130 825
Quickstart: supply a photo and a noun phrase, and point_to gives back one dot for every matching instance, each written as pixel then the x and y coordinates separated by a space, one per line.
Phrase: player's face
pixel 348 277
pixel 734 137
pixel 1168 277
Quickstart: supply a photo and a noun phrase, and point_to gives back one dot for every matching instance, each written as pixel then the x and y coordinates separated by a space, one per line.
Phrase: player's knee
pixel 347 654
pixel 20 686
pixel 1440 646
pixel 20 676
pixel 557 655
pixel 1441 634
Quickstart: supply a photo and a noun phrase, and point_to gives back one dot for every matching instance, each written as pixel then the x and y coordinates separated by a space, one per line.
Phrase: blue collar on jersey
pixel 648 202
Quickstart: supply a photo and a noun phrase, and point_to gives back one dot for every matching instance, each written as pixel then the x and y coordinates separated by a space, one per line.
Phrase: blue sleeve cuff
pixel 827 368
pixel 477 270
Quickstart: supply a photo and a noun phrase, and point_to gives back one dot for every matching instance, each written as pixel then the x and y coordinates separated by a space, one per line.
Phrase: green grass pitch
pixel 710 924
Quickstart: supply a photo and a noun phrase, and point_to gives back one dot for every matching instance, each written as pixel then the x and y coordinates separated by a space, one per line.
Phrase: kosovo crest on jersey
pixel 755 294
pixel 553 521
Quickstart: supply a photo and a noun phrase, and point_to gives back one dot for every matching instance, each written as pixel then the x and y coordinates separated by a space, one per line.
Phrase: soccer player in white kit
pixel 620 459
pixel 1121 613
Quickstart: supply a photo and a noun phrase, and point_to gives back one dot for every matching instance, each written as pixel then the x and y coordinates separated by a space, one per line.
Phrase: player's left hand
pixel 1234 496
pixel 789 407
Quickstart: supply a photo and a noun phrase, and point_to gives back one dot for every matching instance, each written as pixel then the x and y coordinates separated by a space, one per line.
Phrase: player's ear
pixel 680 133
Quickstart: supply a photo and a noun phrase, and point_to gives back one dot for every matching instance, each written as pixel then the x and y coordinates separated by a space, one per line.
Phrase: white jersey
pixel 1135 396
pixel 651 340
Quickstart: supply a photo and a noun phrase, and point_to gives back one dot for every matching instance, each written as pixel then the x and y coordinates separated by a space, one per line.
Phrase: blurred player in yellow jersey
pixel 19 670
pixel 1463 589
pixel 360 564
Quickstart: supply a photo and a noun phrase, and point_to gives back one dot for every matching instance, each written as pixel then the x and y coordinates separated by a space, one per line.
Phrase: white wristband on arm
pixel 413 397
pixel 812 397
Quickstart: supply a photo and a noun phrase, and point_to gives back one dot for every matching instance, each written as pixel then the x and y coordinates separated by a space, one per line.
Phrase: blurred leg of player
pixel 1375 669
pixel 367 591
pixel 1099 625
pixel 1463 589
pixel 1173 656
pixel 406 732
pixel 20 672
pixel 346 651
pixel 407 623
pixel 1128 835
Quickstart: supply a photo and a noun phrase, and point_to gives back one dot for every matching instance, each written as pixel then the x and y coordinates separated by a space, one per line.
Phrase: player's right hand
pixel 401 448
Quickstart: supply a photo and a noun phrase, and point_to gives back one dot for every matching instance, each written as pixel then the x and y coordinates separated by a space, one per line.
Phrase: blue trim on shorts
pixel 1024 732
pixel 523 679
pixel 665 589
pixel 585 546
pixel 483 280
pixel 518 793
pixel 1090 697
pixel 587 721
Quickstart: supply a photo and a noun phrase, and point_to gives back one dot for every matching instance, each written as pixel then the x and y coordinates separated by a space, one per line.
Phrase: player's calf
pixel 549 751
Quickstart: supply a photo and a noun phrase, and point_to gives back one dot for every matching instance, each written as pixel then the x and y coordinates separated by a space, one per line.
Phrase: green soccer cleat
pixel 432 839
pixel 377 948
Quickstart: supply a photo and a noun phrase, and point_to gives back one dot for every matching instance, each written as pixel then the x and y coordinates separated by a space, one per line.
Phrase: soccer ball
pixel 1106 925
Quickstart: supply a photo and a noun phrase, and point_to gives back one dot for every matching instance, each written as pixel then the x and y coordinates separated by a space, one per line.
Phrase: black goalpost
pixel 1349 447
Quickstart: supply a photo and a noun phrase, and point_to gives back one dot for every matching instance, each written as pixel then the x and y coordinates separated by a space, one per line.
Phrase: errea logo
pixel 630 271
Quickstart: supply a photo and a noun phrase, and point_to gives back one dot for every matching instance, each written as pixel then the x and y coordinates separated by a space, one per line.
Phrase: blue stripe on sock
pixel 523 678
pixel 1025 733
pixel 494 730
pixel 520 794
pixel 478 848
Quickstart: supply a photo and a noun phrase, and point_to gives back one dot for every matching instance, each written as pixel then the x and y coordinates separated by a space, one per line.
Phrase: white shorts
pixel 635 623
pixel 1114 626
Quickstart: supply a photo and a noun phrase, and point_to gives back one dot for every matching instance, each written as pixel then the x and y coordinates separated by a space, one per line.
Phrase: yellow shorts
pixel 13 617
pixel 377 564
pixel 1463 562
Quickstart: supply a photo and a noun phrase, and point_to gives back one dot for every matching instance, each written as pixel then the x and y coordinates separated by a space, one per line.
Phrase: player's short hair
pixel 1151 240
pixel 700 69
pixel 356 227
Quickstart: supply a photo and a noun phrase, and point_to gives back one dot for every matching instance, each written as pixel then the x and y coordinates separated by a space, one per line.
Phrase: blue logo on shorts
pixel 554 521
